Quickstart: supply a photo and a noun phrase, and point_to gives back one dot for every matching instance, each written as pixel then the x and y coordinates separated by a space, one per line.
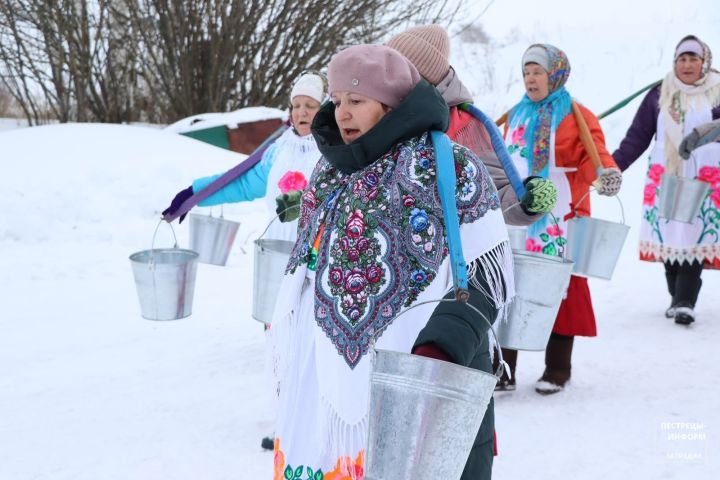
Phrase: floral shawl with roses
pixel 382 237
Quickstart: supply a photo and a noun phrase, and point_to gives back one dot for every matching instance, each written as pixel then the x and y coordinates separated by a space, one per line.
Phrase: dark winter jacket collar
pixel 422 110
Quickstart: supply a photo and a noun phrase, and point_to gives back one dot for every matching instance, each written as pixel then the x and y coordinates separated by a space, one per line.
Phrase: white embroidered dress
pixel 323 403
pixel 668 240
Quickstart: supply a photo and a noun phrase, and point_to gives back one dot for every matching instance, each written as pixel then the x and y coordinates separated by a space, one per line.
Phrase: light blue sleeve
pixel 250 186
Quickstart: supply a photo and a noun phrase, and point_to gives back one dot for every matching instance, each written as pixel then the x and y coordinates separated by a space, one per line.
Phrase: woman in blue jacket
pixel 285 167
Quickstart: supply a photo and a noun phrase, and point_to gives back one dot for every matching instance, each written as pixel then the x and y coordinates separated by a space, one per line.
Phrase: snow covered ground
pixel 89 390
pixel 12 123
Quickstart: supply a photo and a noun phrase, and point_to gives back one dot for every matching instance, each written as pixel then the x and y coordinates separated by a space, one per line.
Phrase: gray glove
pixel 608 182
pixel 702 134
pixel 688 144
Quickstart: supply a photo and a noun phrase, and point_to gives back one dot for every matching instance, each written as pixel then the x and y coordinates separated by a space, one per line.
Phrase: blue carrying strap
pixel 447 184
pixel 498 145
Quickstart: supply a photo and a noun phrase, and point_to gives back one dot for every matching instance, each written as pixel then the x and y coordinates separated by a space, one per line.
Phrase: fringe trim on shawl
pixel 496 267
pixel 475 137
pixel 345 443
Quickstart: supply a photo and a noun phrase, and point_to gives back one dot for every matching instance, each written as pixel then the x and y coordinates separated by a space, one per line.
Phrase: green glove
pixel 540 196
pixel 288 205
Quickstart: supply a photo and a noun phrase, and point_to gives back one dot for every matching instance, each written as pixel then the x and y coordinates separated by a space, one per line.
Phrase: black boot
pixel 268 443
pixel 506 382
pixel 558 357
pixel 684 315
pixel 687 290
pixel 671 279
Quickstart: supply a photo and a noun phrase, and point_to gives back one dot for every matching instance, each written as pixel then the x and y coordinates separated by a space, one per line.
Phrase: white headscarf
pixel 676 98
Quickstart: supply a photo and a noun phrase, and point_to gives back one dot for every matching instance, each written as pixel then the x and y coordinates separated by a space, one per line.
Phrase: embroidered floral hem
pixel 344 469
pixel 708 254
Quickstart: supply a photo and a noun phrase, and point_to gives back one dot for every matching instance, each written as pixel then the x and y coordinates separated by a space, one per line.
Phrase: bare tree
pixel 213 55
pixel 160 60
pixel 57 56
pixel 7 103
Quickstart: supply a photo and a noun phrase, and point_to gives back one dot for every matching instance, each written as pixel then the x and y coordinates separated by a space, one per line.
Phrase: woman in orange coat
pixel 544 141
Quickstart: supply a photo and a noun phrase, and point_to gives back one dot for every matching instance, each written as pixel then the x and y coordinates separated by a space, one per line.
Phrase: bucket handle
pixel 622 210
pixel 275 218
pixel 152 246
pixel 694 159
pixel 151 261
pixel 501 361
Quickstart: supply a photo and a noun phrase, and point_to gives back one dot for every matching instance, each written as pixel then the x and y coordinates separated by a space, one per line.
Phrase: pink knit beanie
pixel 428 48
pixel 376 71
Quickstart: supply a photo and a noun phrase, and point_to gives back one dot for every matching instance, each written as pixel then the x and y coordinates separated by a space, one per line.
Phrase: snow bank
pixel 230 119
pixel 65 178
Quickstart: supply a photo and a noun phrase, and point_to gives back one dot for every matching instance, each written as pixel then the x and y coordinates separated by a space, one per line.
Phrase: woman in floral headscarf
pixel 688 97
pixel 372 243
pixel 544 140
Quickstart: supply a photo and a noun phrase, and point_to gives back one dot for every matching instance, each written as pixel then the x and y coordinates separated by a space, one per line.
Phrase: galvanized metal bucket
pixel 681 198
pixel 540 284
pixel 212 237
pixel 518 238
pixel 271 258
pixel 424 416
pixel 595 245
pixel 165 281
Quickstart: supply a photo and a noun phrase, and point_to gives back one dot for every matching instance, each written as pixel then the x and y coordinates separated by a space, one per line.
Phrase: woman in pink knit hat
pixel 428 48
pixel 371 243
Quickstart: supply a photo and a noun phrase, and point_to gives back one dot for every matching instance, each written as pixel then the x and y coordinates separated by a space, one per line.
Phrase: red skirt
pixel 576 316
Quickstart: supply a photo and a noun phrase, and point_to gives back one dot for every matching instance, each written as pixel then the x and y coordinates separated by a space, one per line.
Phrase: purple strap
pixel 227 177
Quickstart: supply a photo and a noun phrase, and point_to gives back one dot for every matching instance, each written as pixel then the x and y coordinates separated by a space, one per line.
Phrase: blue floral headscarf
pixel 544 116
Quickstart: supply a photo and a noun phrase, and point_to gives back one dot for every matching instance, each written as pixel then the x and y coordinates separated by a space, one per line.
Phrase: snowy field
pixel 91 391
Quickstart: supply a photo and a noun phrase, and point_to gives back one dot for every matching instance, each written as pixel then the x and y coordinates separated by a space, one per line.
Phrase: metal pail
pixel 212 238
pixel 681 198
pixel 518 238
pixel 540 284
pixel 424 415
pixel 165 281
pixel 595 245
pixel 271 258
